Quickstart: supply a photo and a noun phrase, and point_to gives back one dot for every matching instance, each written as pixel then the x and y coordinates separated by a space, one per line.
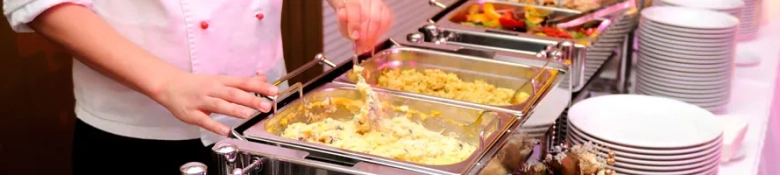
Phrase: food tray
pixel 468 68
pixel 461 15
pixel 454 116
pixel 595 50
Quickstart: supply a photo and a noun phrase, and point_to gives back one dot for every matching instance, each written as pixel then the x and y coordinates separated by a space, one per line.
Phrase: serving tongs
pixel 590 15
pixel 318 59
pixel 374 105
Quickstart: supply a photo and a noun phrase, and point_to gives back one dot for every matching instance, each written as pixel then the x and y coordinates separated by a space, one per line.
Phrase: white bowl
pixel 634 120
pixel 690 18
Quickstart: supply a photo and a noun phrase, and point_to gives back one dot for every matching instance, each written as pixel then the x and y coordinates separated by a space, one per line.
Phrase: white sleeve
pixel 21 12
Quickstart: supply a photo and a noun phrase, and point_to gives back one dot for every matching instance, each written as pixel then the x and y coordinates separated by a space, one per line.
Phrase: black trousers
pixel 99 152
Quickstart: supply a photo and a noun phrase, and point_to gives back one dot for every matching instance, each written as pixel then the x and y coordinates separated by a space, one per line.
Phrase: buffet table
pixel 752 92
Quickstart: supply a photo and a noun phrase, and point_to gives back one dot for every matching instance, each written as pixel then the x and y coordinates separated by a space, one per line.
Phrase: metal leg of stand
pixel 624 71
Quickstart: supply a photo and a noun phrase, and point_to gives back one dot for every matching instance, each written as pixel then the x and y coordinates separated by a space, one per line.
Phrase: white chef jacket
pixel 235 37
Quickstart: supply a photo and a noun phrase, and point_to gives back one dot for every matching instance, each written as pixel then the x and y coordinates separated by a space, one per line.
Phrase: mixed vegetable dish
pixel 528 19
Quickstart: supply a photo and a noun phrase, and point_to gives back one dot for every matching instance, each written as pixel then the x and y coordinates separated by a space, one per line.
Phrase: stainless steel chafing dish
pixel 260 150
pixel 591 53
pixel 453 119
pixel 529 78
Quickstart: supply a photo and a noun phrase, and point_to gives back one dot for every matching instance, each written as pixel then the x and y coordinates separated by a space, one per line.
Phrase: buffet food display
pixel 385 113
pixel 581 5
pixel 528 19
pixel 448 85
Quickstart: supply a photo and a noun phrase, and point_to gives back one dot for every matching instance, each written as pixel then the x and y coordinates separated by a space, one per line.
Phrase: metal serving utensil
pixel 318 59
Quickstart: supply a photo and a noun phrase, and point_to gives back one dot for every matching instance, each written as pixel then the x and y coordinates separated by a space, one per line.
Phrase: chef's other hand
pixel 193 97
pixel 364 21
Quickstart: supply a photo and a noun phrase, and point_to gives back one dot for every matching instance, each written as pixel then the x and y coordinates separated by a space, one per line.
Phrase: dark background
pixel 36 90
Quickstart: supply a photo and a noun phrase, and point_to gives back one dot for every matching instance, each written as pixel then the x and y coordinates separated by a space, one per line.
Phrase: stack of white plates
pixel 750 19
pixel 748 12
pixel 649 135
pixel 687 54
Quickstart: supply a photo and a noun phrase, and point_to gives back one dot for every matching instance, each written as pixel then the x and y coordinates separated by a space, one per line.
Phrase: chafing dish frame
pixel 388 59
pixel 360 168
pixel 441 33
pixel 505 120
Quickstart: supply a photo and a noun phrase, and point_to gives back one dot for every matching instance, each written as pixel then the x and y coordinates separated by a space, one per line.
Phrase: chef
pixel 155 80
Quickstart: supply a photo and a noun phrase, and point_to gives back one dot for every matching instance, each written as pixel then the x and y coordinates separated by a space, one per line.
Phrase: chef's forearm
pixel 100 47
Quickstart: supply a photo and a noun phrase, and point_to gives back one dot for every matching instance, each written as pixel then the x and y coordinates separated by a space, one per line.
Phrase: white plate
pixel 674 63
pixel 673 87
pixel 690 18
pixel 627 160
pixel 630 163
pixel 688 59
pixel 720 84
pixel 707 4
pixel 670 87
pixel 727 42
pixel 671 49
pixel 648 154
pixel 698 102
pixel 694 45
pixel 684 49
pixel 693 73
pixel 650 27
pixel 712 168
pixel 634 120
pixel 680 74
pixel 689 30
pixel 724 40
pixel 714 98
pixel 673 80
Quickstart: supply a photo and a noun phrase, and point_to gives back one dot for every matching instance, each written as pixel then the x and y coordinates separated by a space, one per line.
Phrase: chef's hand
pixel 363 21
pixel 192 97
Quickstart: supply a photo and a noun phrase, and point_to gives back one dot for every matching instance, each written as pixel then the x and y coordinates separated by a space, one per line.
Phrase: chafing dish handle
pixel 261 152
pixel 193 168
pixel 437 4
pixel 564 52
pixel 319 58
